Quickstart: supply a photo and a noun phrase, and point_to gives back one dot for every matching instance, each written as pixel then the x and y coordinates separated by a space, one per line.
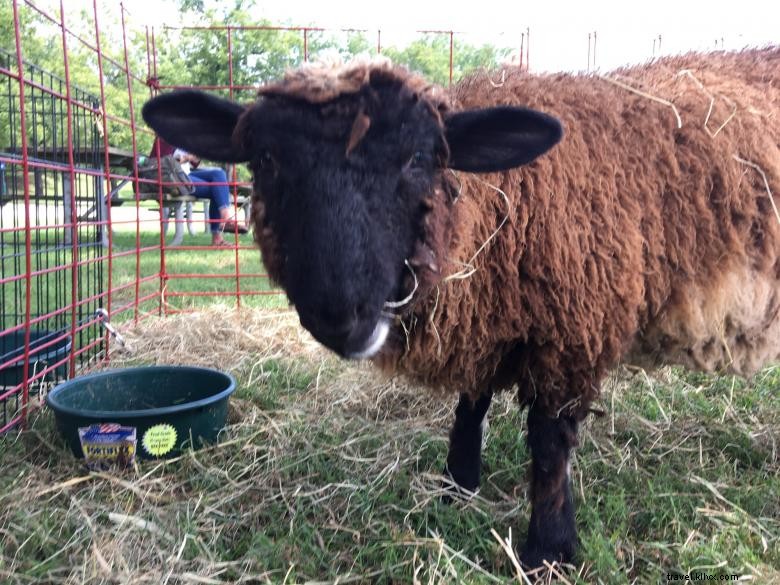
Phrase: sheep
pixel 528 233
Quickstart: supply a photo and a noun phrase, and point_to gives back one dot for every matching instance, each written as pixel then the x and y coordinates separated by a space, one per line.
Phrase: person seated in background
pixel 218 194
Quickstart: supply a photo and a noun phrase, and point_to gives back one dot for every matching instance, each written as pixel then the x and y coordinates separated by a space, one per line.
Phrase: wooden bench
pixel 241 200
pixel 173 205
pixel 181 208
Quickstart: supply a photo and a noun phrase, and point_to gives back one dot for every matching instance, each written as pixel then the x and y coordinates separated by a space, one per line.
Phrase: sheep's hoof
pixel 534 556
pixel 455 487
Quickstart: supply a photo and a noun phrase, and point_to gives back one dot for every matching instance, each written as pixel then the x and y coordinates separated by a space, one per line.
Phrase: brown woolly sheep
pixel 648 234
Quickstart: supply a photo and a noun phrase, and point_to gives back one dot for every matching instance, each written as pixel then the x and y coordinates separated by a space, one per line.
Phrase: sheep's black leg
pixel 552 535
pixel 464 459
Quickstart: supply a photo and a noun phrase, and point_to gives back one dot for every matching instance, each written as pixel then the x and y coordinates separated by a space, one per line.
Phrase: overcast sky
pixel 559 30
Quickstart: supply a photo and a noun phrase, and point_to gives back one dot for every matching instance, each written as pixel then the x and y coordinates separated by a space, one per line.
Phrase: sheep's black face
pixel 341 187
pixel 344 209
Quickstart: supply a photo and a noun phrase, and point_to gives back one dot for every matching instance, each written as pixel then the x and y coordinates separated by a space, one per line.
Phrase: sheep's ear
pixel 198 123
pixel 496 139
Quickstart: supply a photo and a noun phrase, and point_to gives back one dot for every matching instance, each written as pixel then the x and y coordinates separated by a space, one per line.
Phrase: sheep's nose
pixel 341 328
pixel 330 323
pixel 338 323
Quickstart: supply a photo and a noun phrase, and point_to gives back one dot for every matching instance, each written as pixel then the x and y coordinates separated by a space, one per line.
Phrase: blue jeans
pixel 218 194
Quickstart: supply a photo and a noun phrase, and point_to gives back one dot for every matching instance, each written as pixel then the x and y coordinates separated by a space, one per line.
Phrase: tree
pixel 200 57
pixel 430 56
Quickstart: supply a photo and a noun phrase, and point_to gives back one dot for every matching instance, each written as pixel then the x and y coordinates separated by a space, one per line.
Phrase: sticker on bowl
pixel 159 439
pixel 107 444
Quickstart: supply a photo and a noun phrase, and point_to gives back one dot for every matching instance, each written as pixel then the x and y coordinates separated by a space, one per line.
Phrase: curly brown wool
pixel 633 240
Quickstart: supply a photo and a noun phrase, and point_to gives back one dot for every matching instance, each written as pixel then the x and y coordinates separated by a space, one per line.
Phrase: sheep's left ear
pixel 199 123
pixel 496 139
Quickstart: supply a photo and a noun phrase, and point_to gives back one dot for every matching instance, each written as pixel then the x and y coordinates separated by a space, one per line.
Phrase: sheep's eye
pixel 416 159
pixel 266 161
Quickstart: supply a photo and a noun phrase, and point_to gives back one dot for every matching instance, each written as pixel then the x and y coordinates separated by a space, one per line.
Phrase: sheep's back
pixel 633 237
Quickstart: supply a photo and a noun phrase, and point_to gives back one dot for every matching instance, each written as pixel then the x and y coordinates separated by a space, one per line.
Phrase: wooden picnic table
pixel 181 206
pixel 91 157
pixel 88 158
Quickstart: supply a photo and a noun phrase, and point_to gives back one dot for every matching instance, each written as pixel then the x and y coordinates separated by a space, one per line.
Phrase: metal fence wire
pixel 51 258
pixel 83 230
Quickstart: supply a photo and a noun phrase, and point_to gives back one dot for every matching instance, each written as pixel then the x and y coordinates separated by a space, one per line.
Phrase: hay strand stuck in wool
pixel 688 73
pixel 432 323
pixel 644 94
pixel 460 185
pixel 766 182
pixel 469 267
pixel 499 83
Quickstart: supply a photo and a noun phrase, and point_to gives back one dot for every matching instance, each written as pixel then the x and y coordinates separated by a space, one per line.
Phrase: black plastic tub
pixel 12 348
pixel 192 401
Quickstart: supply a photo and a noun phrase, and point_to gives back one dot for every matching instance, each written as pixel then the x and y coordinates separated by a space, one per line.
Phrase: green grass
pixel 53 290
pixel 220 261
pixel 329 473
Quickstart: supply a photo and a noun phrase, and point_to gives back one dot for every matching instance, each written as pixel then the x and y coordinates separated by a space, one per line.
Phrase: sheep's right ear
pixel 500 138
pixel 198 123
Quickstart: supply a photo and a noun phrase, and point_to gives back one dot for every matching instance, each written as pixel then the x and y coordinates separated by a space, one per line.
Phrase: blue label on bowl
pixel 107 445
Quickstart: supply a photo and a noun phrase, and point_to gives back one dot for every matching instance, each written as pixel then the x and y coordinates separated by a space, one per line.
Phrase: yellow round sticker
pixel 159 439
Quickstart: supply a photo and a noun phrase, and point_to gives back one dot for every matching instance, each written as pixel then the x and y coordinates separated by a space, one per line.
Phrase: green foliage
pixel 201 57
pixel 36 46
pixel 42 49
pixel 430 55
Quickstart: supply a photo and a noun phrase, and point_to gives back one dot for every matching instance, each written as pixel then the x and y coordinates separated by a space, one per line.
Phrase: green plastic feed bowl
pixel 43 353
pixel 171 407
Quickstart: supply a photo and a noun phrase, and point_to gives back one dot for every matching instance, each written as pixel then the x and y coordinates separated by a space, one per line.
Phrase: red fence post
pixel 527 47
pixel 522 48
pixel 451 51
pixel 73 204
pixel 152 82
pixel 154 55
pixel 233 178
pixel 107 169
pixel 27 233
pixel 135 166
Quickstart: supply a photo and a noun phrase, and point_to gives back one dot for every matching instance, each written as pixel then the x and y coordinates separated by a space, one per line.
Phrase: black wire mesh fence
pixel 51 242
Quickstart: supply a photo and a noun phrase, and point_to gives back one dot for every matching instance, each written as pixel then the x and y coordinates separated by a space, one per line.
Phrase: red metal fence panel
pixel 82 233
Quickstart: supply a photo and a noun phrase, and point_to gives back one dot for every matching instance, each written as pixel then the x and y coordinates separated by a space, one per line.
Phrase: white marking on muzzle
pixel 375 342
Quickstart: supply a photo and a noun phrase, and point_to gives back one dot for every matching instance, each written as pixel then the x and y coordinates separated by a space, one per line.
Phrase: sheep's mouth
pixel 374 342
pixel 357 339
